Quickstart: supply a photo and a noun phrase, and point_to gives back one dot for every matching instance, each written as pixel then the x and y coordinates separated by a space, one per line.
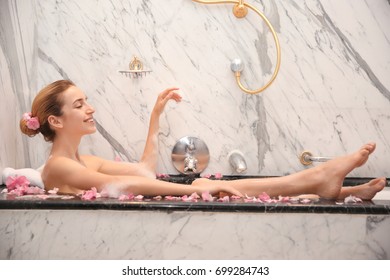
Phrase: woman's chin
pixel 92 130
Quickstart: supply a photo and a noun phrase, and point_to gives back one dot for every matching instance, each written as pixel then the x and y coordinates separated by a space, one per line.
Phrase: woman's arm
pixel 121 168
pixel 147 165
pixel 150 154
pixel 71 176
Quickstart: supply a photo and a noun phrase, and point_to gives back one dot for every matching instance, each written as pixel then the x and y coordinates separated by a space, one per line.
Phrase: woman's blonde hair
pixel 48 102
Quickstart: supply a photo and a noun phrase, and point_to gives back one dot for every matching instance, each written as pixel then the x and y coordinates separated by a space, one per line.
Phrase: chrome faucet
pixel 237 161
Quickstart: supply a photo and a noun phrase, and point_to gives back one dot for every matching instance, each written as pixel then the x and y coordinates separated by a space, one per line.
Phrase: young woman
pixel 61 112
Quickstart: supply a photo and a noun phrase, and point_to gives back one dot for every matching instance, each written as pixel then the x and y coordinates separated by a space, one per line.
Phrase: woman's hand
pixel 164 97
pixel 215 186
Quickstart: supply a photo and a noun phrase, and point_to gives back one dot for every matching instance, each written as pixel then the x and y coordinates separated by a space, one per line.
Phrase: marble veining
pixel 331 95
pixel 55 234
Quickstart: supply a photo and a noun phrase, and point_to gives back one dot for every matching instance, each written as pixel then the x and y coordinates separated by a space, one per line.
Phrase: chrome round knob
pixel 190 155
pixel 237 65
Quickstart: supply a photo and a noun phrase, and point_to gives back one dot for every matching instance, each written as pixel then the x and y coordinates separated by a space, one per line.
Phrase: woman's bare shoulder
pixel 59 164
pixel 56 171
pixel 68 174
pixel 92 162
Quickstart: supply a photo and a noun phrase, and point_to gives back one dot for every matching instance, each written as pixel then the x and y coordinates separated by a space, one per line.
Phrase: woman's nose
pixel 90 109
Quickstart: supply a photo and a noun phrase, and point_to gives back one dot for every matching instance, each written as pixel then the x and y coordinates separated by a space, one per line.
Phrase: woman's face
pixel 77 113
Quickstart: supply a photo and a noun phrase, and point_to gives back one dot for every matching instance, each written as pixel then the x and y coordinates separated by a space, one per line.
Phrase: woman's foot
pixel 366 191
pixel 332 173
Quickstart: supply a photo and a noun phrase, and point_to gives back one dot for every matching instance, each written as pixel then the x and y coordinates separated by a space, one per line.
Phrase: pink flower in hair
pixel 31 122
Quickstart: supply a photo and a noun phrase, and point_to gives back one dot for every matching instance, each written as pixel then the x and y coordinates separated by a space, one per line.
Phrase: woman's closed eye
pixel 79 103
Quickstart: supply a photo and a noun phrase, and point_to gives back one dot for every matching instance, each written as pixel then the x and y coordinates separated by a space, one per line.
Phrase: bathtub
pixel 112 229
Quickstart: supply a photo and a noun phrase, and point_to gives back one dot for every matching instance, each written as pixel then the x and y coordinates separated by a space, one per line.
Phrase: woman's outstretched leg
pixel 324 180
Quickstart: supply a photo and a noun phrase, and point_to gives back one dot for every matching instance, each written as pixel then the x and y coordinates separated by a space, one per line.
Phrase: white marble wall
pixel 331 95
pixel 51 234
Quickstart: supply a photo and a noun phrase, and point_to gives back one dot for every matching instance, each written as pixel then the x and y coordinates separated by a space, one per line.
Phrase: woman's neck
pixel 66 147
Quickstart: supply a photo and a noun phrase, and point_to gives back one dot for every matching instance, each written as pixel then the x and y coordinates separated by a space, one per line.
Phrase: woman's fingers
pixel 233 191
pixel 165 96
pixel 166 92
pixel 171 94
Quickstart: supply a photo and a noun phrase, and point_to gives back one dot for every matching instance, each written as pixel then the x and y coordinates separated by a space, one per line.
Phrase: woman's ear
pixel 54 121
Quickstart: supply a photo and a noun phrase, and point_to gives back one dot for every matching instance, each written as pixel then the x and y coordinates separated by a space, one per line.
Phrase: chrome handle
pixel 307 158
pixel 190 164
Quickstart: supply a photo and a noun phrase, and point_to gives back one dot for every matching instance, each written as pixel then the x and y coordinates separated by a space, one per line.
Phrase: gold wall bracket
pixel 240 10
pixel 136 69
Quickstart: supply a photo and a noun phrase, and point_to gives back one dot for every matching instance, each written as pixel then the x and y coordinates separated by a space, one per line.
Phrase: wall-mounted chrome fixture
pixel 307 158
pixel 190 155
pixel 136 69
pixel 237 161
pixel 240 10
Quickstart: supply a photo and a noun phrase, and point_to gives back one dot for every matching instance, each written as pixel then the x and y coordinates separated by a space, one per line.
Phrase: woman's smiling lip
pixel 89 120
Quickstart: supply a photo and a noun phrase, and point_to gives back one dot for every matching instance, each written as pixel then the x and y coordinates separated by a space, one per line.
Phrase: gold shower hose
pixel 240 10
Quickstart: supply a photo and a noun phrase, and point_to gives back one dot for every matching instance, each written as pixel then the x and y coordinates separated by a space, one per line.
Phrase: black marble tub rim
pixel 381 207
pixel 188 179
pixel 321 206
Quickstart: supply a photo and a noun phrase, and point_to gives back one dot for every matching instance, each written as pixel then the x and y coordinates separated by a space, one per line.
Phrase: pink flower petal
pixel 264 197
pixel 35 190
pixel 224 199
pixel 12 182
pixel 192 198
pixel 53 191
pixel 194 195
pixel 90 194
pixel 162 175
pixel 352 199
pixel 294 199
pixel 284 198
pixel 206 196
pixel 172 198
pixel 26 116
pixel 305 201
pixel 123 197
pixel 19 190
